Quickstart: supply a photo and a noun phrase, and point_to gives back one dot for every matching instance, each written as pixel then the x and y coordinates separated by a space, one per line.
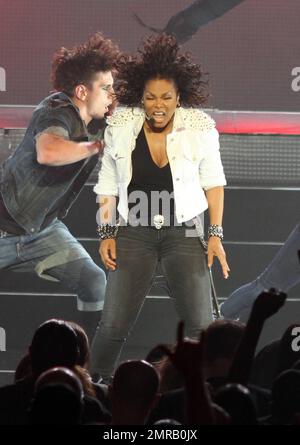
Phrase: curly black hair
pixel 160 57
pixel 72 67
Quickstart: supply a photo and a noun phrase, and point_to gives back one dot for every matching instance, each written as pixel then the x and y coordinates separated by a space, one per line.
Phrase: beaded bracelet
pixel 107 231
pixel 215 230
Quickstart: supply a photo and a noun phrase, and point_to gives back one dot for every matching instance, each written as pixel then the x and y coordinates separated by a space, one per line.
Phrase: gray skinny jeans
pixel 139 249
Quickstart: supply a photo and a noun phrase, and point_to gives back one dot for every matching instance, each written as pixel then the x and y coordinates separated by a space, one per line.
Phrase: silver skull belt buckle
pixel 158 221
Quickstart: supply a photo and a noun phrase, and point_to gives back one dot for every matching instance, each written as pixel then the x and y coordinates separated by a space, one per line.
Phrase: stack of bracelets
pixel 107 231
pixel 215 230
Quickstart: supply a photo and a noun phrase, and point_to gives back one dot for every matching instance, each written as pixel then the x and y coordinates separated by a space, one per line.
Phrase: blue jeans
pixel 139 249
pixel 283 273
pixel 54 254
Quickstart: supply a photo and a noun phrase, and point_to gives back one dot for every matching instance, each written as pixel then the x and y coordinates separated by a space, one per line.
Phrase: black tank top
pixel 152 180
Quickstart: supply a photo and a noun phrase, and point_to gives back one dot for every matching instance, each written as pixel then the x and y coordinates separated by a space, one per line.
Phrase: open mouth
pixel 108 110
pixel 158 116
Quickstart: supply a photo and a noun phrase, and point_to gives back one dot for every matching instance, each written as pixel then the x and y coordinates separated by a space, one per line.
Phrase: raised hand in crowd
pixel 266 304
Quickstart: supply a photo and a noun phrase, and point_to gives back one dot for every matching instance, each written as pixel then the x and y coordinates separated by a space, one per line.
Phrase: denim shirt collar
pixel 61 99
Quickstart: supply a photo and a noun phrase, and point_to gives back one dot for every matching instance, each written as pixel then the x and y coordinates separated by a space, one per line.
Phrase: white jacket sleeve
pixel 211 169
pixel 107 178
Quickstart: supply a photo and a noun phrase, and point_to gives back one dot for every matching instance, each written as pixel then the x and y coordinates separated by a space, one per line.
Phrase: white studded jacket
pixel 193 153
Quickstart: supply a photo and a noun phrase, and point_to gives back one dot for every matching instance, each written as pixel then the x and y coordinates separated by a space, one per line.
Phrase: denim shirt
pixel 32 191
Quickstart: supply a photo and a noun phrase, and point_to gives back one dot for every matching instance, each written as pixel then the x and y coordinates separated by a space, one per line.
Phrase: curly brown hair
pixel 160 57
pixel 72 67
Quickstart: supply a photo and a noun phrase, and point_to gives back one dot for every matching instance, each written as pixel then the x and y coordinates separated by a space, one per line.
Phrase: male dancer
pixel 43 177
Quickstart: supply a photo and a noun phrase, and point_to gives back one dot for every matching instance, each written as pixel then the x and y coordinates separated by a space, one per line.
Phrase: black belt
pixel 157 222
